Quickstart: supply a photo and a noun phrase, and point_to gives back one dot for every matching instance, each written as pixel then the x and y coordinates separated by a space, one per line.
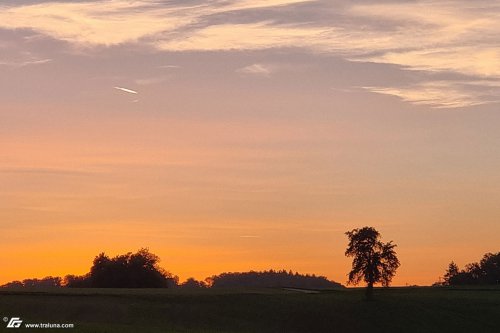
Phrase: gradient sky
pixel 229 135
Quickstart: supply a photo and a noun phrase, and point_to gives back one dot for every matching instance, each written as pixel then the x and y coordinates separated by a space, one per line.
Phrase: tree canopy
pixel 130 270
pixel 373 261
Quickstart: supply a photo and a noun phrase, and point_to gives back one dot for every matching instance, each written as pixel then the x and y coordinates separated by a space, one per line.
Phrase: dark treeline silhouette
pixel 271 279
pixel 487 271
pixel 192 283
pixel 46 282
pixel 141 270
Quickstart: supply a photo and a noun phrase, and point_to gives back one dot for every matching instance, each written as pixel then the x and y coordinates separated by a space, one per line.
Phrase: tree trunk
pixel 369 291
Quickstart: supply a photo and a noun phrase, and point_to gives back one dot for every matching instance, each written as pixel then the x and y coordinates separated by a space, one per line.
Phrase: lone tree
pixel 373 261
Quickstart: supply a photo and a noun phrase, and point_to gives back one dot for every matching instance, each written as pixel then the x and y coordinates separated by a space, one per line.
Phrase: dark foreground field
pixel 266 310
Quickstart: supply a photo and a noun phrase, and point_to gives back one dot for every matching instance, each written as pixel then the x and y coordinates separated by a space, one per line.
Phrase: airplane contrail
pixel 169 66
pixel 126 90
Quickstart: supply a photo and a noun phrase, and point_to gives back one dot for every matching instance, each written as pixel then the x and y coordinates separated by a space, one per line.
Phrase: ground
pixel 258 310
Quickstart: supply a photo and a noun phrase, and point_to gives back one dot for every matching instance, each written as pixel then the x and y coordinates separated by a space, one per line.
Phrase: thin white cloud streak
pixel 260 35
pixel 130 91
pixel 439 94
pixel 25 63
pixel 256 70
pixel 257 4
pixel 482 61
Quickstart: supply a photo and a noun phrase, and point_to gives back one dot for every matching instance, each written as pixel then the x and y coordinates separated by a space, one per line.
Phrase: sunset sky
pixel 229 135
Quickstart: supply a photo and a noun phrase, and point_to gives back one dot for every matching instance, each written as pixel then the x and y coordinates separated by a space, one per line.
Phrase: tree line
pixel 271 279
pixel 373 262
pixel 485 272
pixel 142 270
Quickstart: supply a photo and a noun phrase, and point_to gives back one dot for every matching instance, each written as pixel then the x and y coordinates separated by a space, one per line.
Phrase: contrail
pixel 169 66
pixel 126 90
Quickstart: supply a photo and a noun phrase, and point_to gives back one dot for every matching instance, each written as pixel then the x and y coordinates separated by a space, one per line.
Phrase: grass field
pixel 401 310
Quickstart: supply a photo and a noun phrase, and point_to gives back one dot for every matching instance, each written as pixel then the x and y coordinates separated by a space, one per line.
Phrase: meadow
pixel 417 309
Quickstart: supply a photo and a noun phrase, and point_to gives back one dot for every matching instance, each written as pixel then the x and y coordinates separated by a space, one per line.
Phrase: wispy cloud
pixel 255 70
pixel 113 22
pixel 32 62
pixel 130 91
pixel 444 94
pixel 98 23
pixel 459 37
pixel 258 35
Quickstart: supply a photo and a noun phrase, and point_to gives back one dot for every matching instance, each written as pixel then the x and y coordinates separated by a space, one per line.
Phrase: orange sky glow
pixel 238 135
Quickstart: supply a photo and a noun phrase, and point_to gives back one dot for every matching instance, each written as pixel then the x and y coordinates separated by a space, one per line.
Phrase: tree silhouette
pixel 451 272
pixel 131 270
pixel 487 271
pixel 373 261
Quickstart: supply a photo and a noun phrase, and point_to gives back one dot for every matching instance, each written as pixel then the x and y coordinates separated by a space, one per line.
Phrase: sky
pixel 229 135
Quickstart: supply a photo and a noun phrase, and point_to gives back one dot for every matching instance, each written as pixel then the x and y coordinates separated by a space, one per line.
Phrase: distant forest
pixel 141 270
pixel 271 279
pixel 485 272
